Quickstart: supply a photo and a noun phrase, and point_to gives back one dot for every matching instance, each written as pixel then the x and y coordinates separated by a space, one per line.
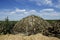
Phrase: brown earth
pixel 22 37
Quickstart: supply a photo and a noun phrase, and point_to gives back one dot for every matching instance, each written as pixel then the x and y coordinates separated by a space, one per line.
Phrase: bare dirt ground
pixel 22 37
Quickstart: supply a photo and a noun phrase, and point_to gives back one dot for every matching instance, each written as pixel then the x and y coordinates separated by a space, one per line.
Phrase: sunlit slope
pixel 22 37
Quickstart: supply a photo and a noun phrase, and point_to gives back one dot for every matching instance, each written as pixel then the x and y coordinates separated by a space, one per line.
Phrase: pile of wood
pixel 31 25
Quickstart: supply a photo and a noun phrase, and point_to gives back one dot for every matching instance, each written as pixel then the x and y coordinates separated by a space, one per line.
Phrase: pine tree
pixel 6 26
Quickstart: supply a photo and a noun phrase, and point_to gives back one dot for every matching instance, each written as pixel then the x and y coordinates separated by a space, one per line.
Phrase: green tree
pixel 6 26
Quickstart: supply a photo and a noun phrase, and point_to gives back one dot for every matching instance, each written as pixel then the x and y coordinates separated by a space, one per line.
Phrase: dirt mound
pixel 31 25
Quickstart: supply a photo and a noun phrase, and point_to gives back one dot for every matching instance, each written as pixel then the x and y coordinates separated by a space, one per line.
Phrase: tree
pixel 6 26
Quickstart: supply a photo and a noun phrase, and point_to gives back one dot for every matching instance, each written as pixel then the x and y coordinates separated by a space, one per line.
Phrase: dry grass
pixel 22 37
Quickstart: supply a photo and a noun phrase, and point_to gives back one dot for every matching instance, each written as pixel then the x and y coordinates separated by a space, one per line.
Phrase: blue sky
pixel 18 9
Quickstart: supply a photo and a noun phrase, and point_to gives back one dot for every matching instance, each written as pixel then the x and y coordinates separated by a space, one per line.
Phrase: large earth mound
pixel 31 25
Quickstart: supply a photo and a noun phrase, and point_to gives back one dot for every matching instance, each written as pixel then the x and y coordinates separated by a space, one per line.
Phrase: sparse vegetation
pixel 6 26
pixel 55 30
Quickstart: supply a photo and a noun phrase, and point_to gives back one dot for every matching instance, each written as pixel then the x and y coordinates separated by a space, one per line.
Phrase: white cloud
pixel 16 13
pixel 42 2
pixel 39 2
pixel 47 10
pixel 47 2
pixel 57 6
pixel 49 14
pixel 12 12
pixel 32 12
pixel 19 10
pixel 20 13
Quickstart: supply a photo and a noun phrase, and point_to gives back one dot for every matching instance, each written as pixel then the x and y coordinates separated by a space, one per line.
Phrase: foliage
pixel 6 26
pixel 55 30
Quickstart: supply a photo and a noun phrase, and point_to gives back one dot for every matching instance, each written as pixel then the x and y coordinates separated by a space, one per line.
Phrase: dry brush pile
pixel 31 25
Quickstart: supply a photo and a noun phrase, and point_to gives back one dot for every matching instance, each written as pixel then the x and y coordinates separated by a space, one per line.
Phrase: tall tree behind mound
pixel 31 25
